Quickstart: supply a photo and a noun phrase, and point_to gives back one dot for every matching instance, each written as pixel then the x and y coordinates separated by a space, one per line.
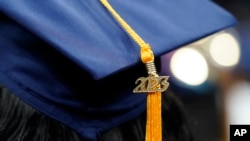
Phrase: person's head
pixel 21 122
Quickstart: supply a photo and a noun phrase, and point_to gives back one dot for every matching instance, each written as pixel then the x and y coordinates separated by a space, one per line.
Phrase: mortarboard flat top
pixel 72 61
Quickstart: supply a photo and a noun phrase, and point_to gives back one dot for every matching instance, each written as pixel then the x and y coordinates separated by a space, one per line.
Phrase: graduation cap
pixel 76 63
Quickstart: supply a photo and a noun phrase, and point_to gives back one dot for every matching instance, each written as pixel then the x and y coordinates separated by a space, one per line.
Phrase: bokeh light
pixel 224 50
pixel 238 103
pixel 189 66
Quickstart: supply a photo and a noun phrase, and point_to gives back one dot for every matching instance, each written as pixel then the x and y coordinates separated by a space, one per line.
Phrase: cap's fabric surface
pixel 72 61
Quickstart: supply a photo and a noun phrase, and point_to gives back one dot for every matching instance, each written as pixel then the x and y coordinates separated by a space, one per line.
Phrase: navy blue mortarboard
pixel 72 60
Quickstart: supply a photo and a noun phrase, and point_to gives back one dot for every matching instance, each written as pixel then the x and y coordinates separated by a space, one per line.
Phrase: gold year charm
pixel 151 84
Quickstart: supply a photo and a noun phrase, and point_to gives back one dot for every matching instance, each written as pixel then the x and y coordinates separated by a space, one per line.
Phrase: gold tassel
pixel 154 84
pixel 154 121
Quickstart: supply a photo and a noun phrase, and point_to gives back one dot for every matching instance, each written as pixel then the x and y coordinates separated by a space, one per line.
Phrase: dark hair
pixel 20 122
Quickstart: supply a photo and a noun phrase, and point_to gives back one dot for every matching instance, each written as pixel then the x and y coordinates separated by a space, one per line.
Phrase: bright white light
pixel 225 50
pixel 189 66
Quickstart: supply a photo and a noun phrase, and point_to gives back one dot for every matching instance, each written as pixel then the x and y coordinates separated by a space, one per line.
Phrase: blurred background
pixel 212 76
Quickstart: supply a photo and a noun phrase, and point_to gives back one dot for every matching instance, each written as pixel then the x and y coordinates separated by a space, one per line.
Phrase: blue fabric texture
pixel 72 61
